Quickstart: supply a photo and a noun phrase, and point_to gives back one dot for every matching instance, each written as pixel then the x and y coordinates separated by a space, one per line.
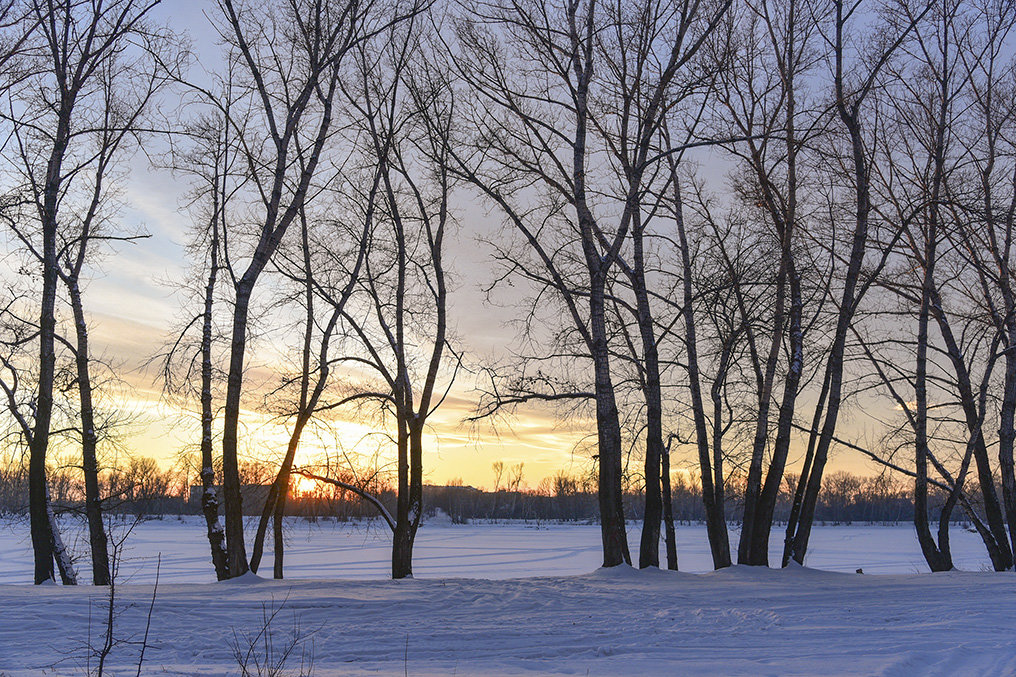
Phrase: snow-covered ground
pixel 327 549
pixel 515 599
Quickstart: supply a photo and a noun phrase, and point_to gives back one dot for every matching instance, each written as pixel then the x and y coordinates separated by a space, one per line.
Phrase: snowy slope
pixel 735 622
pixel 453 619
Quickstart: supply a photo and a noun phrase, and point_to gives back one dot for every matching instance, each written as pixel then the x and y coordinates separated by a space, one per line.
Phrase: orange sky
pixel 455 449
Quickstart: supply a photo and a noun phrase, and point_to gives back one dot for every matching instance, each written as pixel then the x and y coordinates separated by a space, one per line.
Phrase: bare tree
pixel 282 119
pixel 531 82
pixel 854 77
pixel 986 203
pixel 708 441
pixel 958 333
pixel 544 123
pixel 400 322
pixel 68 92
pixel 187 360
pixel 765 52
pixel 126 86
pixel 315 375
pixel 649 81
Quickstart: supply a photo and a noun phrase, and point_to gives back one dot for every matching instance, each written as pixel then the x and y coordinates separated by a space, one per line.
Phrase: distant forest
pixel 141 487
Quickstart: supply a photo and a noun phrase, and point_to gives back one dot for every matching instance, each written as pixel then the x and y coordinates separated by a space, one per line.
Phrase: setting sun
pixel 304 486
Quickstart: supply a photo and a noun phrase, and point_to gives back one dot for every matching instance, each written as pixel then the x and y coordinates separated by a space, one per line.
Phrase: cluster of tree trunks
pixel 857 253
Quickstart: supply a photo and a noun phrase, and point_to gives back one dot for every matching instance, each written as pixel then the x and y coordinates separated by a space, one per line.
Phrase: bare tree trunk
pixel 275 503
pixel 849 110
pixel 42 533
pixel 997 219
pixel 849 113
pixel 41 526
pixel 568 42
pixel 784 215
pixel 278 495
pixel 649 549
pixel 278 538
pixel 1007 423
pixel 937 555
pixel 66 78
pixel 1007 326
pixel 93 501
pixel 770 493
pixel 809 458
pixel 307 59
pixel 410 286
pixel 608 428
pixel 764 397
pixel 668 510
pixel 998 545
pixel 836 359
pixel 63 559
pixel 410 500
pixel 711 470
pixel 209 495
pixel 608 431
pixel 236 553
pixel 279 491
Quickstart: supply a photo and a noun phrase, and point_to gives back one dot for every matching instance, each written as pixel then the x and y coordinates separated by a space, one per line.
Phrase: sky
pixel 133 301
pixel 134 304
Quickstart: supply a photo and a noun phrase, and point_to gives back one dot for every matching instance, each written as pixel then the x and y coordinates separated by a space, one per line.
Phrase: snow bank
pixel 743 621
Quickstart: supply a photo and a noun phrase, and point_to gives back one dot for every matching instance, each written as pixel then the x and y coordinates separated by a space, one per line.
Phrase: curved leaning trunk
pixel 809 457
pixel 267 513
pixel 63 558
pixel 275 503
pixel 273 511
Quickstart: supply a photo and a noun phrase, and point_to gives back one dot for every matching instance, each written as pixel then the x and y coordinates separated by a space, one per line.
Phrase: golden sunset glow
pixel 455 449
pixel 303 486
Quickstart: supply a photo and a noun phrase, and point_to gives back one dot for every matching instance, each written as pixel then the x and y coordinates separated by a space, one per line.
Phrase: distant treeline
pixel 845 498
pixel 142 487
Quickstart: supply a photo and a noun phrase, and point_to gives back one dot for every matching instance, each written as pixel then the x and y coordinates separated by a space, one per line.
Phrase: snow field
pixel 455 618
